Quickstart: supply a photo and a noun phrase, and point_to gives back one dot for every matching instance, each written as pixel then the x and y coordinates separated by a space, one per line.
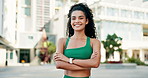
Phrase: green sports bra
pixel 79 53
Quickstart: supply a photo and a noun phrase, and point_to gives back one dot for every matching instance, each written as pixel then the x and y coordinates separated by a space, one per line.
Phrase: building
pixel 129 20
pixel 8 54
pixel 22 29
pixel 32 15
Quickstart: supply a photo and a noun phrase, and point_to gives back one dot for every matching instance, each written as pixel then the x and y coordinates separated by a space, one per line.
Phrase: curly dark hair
pixel 90 29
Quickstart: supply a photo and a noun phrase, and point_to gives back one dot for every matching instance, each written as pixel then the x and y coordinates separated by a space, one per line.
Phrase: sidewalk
pixel 49 71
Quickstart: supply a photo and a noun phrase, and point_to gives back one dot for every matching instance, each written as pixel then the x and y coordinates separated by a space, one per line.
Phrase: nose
pixel 77 20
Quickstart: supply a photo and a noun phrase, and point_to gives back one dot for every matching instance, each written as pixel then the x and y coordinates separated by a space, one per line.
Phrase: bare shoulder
pixel 95 41
pixel 62 40
pixel 60 45
pixel 96 44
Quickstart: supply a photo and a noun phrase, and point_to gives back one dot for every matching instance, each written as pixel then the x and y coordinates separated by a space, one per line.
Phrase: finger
pixel 95 53
pixel 58 59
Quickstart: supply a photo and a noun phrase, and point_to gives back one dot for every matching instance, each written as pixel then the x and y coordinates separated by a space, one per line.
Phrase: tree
pixel 48 48
pixel 112 44
pixel 51 48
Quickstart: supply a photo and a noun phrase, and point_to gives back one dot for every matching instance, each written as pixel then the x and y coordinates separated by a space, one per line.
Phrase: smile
pixel 76 25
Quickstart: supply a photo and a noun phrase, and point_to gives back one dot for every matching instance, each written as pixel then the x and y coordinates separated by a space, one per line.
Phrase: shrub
pixel 135 60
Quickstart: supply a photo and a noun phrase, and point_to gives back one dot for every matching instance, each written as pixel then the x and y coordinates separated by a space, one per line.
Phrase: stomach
pixel 78 73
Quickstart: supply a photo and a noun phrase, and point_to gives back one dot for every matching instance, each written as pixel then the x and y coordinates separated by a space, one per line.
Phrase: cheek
pixel 84 22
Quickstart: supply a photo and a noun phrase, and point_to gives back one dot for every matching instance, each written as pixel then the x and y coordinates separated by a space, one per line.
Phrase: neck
pixel 79 35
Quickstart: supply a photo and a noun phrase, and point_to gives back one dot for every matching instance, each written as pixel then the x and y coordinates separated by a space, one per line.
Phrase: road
pixel 49 71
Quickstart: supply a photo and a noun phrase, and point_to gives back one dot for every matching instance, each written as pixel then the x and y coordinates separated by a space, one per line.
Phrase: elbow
pixel 58 65
pixel 96 65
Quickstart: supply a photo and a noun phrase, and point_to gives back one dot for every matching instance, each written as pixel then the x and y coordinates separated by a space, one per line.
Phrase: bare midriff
pixel 78 73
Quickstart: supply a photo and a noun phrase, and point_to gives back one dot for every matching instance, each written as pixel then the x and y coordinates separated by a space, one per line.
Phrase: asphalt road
pixel 49 71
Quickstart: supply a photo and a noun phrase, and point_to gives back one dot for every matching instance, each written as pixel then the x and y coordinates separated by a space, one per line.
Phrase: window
pixel 146 17
pixel 52 38
pixel 28 2
pixel 99 10
pixel 6 55
pixel 103 11
pixel 145 0
pixel 126 13
pixel 11 55
pixel 138 15
pixel 30 37
pixel 98 25
pixel 27 11
pixel 146 57
pixel 112 12
pixel 135 31
pixel 58 3
pixel 145 31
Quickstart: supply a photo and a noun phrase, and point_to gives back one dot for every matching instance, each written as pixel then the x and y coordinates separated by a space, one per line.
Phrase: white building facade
pixel 129 20
pixel 8 55
pixel 20 22
pixel 32 15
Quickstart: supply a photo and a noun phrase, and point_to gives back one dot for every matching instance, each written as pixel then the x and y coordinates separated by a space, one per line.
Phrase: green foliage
pixel 112 44
pixel 51 48
pixel 134 60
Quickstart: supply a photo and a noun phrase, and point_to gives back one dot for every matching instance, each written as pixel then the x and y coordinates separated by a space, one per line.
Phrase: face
pixel 78 20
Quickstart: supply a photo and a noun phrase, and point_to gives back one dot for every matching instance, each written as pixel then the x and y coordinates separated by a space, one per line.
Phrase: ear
pixel 87 21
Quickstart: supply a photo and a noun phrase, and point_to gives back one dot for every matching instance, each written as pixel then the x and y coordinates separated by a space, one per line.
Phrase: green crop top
pixel 79 53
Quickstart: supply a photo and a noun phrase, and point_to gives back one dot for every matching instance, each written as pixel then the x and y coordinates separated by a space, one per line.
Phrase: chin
pixel 78 29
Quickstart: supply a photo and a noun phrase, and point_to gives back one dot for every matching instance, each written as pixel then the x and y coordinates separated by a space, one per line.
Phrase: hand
pixel 94 55
pixel 60 57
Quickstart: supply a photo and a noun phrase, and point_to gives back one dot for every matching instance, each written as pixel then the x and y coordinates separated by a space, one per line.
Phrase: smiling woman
pixel 80 52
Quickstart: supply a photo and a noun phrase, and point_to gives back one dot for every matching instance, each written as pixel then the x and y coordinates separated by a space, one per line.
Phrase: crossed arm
pixel 78 64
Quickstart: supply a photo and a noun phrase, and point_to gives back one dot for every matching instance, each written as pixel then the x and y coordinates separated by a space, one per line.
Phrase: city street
pixel 49 71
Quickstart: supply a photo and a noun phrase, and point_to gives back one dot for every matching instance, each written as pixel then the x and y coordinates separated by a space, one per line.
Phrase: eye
pixel 81 18
pixel 73 18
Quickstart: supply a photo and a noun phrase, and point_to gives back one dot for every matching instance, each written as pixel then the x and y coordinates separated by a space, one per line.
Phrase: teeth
pixel 77 25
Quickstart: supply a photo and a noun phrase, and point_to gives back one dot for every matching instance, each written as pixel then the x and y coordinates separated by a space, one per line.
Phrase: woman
pixel 80 52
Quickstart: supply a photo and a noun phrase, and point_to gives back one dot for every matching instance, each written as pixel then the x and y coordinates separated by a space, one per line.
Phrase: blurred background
pixel 29 30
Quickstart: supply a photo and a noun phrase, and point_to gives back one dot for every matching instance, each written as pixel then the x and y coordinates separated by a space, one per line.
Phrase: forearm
pixel 68 66
pixel 88 63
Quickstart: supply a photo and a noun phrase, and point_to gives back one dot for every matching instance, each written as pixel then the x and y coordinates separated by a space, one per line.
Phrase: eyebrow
pixel 79 16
